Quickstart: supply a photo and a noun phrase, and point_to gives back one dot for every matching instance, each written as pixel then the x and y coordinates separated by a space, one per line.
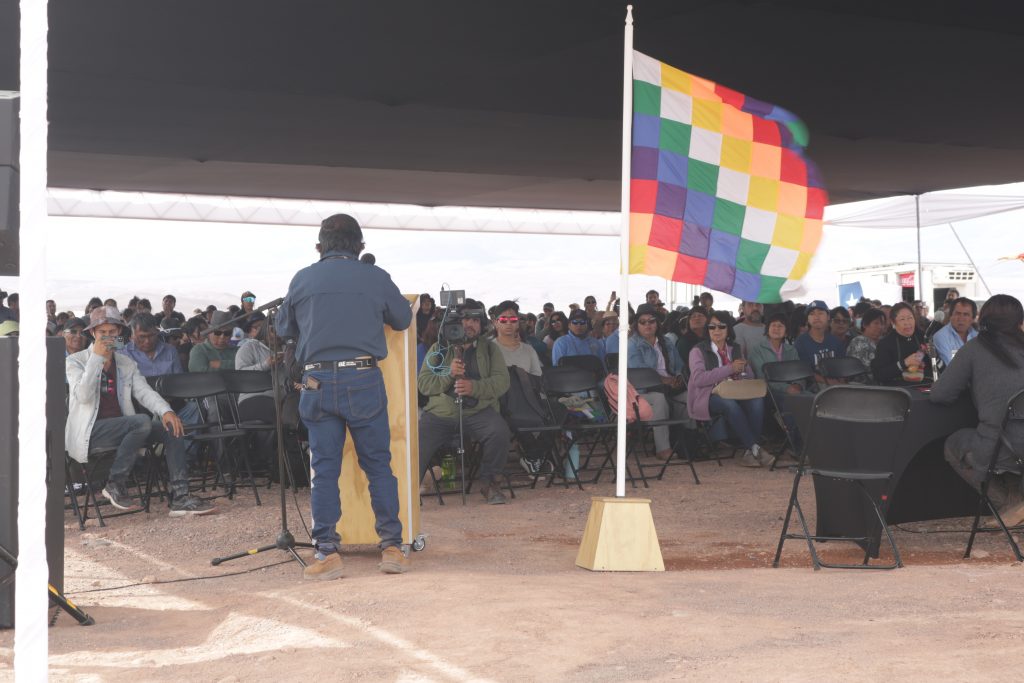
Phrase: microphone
pixel 940 316
pixel 273 304
pixel 368 258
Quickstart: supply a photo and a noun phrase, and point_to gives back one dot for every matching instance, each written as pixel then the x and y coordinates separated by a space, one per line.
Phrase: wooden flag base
pixel 620 537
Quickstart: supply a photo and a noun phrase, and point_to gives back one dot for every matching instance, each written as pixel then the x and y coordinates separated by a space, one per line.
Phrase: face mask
pixel 857 322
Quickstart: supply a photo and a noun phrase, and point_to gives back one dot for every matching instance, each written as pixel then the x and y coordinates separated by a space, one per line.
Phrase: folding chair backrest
pixel 844 403
pixel 788 371
pixel 1014 413
pixel 567 380
pixel 586 362
pixel 846 367
pixel 1015 406
pixel 611 363
pixel 192 385
pixel 247 381
pixel 645 379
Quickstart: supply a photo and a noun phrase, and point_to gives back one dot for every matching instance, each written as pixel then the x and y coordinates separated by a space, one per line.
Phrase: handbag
pixel 741 389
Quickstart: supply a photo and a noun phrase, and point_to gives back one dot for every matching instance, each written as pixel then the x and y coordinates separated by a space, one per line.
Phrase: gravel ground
pixel 495 596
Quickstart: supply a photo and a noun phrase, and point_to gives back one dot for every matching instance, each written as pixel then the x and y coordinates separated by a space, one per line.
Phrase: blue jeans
pixel 745 418
pixel 356 399
pixel 127 434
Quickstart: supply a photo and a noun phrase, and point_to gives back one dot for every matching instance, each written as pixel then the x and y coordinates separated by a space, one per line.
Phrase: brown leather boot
pixel 330 567
pixel 394 561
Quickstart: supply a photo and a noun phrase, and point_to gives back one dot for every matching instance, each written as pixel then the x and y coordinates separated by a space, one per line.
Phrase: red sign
pixel 906 279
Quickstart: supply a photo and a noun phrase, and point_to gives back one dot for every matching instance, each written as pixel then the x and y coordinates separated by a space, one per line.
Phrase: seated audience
pixel 558 326
pixel 101 416
pixel 817 343
pixel 216 352
pixel 696 331
pixel 255 355
pixel 750 330
pixel 544 322
pixel 425 313
pixel 74 336
pixel 647 349
pixel 715 360
pixel 590 306
pixel 862 347
pixel 153 356
pixel 168 313
pixel 958 332
pixel 609 324
pixel 991 368
pixel 773 348
pixel 900 357
pixel 5 312
pixel 14 306
pixel 527 324
pixel 578 342
pixel 797 323
pixel 480 378
pixel 839 325
pixel 515 352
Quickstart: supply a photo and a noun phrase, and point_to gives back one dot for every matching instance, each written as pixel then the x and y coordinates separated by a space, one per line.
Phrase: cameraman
pixel 480 378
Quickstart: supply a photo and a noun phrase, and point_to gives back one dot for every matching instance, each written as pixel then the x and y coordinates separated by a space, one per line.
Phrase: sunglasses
pixel 647 321
pixel 249 299
pixel 714 326
pixel 220 333
pixel 577 322
pixel 507 319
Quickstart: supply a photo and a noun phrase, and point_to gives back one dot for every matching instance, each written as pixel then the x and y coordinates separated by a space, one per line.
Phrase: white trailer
pixel 892 282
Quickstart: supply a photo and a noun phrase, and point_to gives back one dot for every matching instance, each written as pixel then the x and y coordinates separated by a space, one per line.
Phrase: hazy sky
pixel 203 263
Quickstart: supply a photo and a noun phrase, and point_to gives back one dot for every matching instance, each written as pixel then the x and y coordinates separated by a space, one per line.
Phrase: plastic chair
pixel 846 369
pixel 646 381
pixel 1014 411
pixel 611 363
pixel 585 362
pixel 880 414
pixel 788 372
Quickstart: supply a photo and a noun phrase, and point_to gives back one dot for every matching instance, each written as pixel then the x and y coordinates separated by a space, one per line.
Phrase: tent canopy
pixel 513 104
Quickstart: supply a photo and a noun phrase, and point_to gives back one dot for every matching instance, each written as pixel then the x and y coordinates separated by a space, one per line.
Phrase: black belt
pixel 362 362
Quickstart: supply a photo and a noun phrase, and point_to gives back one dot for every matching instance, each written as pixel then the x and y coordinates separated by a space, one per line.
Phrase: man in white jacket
pixel 101 416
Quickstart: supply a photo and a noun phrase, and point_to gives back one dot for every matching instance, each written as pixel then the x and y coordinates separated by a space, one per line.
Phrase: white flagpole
pixel 627 128
pixel 30 615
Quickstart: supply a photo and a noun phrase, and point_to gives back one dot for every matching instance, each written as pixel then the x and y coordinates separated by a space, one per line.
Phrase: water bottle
pixel 933 354
pixel 448 471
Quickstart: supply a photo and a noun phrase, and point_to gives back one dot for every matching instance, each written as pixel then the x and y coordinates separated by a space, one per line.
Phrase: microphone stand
pixel 285 540
pixel 461 451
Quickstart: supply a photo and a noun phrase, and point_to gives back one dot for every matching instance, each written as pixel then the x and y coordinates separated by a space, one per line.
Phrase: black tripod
pixel 56 597
pixel 285 540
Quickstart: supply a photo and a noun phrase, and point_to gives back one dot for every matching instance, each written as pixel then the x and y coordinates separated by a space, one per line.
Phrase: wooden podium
pixel 356 525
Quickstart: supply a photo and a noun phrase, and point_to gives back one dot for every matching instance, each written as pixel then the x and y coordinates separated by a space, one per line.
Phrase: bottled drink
pixel 448 471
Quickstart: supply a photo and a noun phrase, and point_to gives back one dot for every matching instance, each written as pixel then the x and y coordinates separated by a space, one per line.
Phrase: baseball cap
pixel 578 315
pixel 818 304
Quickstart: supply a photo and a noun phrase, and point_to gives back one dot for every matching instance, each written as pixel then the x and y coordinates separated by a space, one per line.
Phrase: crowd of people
pixel 694 349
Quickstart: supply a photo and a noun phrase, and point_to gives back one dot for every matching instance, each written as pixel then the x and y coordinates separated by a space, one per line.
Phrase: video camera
pixel 458 309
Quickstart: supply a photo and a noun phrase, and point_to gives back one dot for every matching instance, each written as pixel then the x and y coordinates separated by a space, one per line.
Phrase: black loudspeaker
pixel 56 416
pixel 9 184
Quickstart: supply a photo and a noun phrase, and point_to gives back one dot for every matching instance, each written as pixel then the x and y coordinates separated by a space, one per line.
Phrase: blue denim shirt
pixel 947 342
pixel 571 345
pixel 165 361
pixel 643 355
pixel 337 309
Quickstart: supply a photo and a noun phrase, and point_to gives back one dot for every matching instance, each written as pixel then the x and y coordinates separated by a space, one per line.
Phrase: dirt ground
pixel 495 596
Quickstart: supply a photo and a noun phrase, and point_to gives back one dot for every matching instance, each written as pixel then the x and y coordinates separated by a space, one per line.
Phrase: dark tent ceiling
pixel 507 103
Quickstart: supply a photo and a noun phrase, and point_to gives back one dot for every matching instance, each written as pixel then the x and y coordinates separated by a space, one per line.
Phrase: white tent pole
pixel 971 259
pixel 627 128
pixel 30 615
pixel 917 218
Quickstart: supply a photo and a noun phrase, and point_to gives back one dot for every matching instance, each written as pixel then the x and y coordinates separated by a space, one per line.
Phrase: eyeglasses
pixel 717 326
pixel 74 333
pixel 842 321
pixel 507 319
pixel 221 333
pixel 647 321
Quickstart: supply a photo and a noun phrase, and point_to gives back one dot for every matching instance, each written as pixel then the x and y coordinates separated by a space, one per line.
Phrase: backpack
pixel 522 405
pixel 637 403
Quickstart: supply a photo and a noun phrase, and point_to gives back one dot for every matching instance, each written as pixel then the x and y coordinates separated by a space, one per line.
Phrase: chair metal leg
pixel 785 525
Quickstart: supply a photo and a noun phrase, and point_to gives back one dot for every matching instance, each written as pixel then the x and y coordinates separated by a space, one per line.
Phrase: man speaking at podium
pixel 337 309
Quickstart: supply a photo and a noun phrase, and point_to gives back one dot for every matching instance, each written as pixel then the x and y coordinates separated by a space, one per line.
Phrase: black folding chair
pixel 647 381
pixel 611 363
pixel 846 369
pixel 250 382
pixel 214 431
pixel 880 414
pixel 1014 412
pixel 84 482
pixel 585 362
pixel 788 372
pixel 564 382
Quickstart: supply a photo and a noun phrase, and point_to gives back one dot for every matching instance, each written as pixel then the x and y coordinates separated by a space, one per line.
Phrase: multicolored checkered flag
pixel 721 194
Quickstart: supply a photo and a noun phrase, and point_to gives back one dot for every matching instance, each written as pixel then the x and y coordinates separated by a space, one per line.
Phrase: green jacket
pixel 492 384
pixel 764 353
pixel 201 355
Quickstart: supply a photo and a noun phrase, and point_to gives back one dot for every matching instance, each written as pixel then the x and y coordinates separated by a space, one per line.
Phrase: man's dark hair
pixel 13 298
pixel 340 232
pixel 144 322
pixel 839 311
pixel 506 306
pixel 861 308
pixel 133 302
pixel 171 297
pixel 870 316
pixel 145 303
pixel 234 310
pixel 964 301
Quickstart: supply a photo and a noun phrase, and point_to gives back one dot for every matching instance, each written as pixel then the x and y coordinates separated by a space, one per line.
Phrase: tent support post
pixel 917 219
pixel 971 259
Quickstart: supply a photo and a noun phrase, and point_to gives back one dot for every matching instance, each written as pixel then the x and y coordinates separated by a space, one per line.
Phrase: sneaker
pixel 394 560
pixel 531 466
pixel 186 505
pixel 763 455
pixel 324 567
pixel 749 460
pixel 118 496
pixel 493 495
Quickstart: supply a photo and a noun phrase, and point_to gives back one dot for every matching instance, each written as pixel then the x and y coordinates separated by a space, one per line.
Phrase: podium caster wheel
pixel 419 543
